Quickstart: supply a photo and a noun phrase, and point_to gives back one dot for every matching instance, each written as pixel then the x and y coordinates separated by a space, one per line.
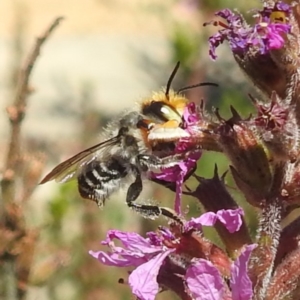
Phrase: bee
pixel 129 152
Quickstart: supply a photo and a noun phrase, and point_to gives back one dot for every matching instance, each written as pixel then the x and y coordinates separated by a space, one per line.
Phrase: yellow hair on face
pixel 177 101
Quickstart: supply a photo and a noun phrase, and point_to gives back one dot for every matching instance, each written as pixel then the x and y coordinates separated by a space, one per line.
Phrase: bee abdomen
pixel 98 180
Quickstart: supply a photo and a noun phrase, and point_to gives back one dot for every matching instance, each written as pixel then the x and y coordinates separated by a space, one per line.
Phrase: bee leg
pixel 148 211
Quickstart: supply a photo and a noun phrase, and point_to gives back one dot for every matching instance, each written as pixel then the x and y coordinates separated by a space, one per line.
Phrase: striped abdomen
pixel 98 180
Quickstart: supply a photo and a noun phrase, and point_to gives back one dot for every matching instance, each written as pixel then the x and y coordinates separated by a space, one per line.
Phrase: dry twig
pixel 16 113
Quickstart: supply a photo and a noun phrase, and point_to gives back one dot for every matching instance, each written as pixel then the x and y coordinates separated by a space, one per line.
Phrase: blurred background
pixel 103 58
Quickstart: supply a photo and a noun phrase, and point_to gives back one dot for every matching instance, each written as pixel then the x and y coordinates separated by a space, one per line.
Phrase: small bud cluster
pixel 263 151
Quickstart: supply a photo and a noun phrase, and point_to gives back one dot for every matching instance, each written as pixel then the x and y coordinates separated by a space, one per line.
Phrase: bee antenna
pixel 171 79
pixel 196 85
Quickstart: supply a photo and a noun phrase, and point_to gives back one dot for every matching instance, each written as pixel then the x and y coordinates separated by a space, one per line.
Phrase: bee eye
pixel 161 111
pixel 166 110
pixel 169 113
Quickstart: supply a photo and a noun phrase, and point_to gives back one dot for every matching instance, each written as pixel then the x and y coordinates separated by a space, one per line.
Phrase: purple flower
pixel 150 255
pixel 205 282
pixel 146 254
pixel 267 34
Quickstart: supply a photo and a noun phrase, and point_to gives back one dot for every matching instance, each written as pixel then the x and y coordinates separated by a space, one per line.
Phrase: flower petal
pixel 116 260
pixel 131 241
pixel 143 281
pixel 204 281
pixel 136 250
pixel 240 282
pixel 231 218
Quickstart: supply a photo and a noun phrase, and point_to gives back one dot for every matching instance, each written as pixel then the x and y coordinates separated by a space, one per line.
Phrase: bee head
pixel 169 105
pixel 164 111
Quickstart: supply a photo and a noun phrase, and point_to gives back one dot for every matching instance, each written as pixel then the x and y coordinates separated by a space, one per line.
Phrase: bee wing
pixel 66 170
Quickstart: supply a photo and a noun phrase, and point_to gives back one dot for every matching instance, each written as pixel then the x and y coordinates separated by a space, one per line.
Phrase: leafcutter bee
pixel 130 151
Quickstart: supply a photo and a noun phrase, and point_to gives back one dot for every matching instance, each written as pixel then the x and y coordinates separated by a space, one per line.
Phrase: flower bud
pixel 250 163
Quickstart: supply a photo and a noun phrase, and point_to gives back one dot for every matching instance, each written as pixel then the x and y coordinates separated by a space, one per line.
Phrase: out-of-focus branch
pixel 16 113
pixel 19 242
